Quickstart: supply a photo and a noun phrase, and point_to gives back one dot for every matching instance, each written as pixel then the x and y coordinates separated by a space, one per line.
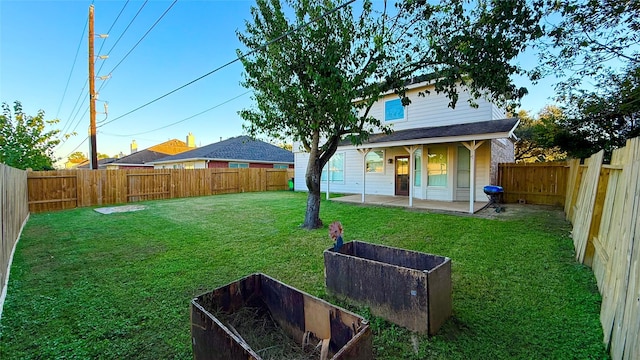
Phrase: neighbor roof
pixel 459 132
pixel 139 157
pixel 169 147
pixel 234 149
pixel 102 163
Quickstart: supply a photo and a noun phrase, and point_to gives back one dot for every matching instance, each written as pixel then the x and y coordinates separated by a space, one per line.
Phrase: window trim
pixel 238 165
pixel 393 102
pixel 383 163
pixel 446 153
pixel 323 173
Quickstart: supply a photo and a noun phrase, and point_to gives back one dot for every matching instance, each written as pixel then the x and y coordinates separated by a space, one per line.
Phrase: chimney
pixel 134 146
pixel 191 141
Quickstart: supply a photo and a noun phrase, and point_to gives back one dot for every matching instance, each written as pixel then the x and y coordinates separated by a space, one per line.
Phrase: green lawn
pixel 87 285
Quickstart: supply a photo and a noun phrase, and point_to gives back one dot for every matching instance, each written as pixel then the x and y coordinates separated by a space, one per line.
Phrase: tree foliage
pixel 536 136
pixel 317 83
pixel 25 141
pixel 592 38
pixel 77 157
pixel 602 119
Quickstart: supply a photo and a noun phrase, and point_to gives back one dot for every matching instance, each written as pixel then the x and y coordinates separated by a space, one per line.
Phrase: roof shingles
pixel 236 148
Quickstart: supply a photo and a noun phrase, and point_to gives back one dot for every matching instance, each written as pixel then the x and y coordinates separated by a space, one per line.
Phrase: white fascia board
pixel 426 141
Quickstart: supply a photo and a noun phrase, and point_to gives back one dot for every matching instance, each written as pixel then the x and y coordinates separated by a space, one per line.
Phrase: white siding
pixel 384 184
pixel 433 110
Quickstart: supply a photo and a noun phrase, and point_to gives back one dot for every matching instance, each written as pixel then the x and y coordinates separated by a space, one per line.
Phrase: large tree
pixel 604 118
pixel 316 75
pixel 588 39
pixel 536 136
pixel 25 141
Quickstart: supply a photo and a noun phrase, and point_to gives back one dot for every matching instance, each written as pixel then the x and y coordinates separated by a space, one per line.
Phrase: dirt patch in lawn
pixel 511 211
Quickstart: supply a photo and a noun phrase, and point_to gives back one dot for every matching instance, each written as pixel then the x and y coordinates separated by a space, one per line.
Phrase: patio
pixel 403 201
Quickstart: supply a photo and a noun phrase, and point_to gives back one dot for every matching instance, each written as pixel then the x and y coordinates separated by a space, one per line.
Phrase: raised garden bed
pixel 409 288
pixel 259 317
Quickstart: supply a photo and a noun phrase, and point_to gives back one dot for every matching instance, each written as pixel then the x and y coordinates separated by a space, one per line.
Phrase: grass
pixel 86 285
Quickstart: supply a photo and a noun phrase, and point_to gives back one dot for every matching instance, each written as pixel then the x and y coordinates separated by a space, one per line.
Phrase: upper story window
pixel 375 162
pixel 280 166
pixel 393 110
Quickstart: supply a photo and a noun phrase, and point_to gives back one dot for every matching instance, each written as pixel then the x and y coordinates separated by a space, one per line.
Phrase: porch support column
pixel 328 177
pixel 364 153
pixel 411 150
pixel 472 146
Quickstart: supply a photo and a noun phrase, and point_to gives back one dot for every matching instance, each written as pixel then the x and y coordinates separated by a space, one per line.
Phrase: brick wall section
pixel 502 151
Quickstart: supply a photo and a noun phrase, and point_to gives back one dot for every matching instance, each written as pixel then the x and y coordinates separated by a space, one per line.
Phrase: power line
pixel 120 37
pixel 142 38
pixel 233 61
pixel 68 125
pixel 75 59
pixel 183 120
pixel 76 148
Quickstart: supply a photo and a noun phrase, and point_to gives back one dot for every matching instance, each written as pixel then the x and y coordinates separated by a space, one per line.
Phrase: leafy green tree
pixel 591 39
pixel 602 119
pixel 77 157
pixel 24 140
pixel 536 136
pixel 317 83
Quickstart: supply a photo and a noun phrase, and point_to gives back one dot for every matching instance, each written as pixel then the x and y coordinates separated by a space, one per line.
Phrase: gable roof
pixel 239 148
pixel 492 129
pixel 169 147
pixel 139 157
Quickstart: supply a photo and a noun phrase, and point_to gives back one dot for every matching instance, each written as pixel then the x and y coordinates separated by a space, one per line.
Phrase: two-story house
pixel 434 153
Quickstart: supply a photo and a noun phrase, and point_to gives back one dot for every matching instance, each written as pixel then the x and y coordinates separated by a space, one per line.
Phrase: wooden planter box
pixel 298 315
pixel 408 288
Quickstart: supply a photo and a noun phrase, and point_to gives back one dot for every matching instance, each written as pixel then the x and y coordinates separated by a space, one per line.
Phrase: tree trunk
pixel 312 217
pixel 312 177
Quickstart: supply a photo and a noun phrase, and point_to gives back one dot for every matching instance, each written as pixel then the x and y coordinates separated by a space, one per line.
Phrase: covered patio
pixel 403 201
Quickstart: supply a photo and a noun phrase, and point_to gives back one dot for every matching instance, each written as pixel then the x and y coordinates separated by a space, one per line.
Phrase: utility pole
pixel 92 96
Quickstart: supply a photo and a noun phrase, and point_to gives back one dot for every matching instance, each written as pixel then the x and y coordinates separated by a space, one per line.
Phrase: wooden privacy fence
pixel 603 204
pixel 14 212
pixel 537 183
pixel 65 189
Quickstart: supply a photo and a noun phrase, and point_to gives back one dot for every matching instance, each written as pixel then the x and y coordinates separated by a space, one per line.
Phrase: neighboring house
pixel 102 163
pixel 236 152
pixel 434 153
pixel 141 159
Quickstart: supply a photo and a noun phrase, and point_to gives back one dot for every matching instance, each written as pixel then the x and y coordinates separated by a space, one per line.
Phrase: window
pixel 393 110
pixel 336 165
pixel 437 166
pixel 280 166
pixel 464 170
pixel 417 167
pixel 235 165
pixel 375 162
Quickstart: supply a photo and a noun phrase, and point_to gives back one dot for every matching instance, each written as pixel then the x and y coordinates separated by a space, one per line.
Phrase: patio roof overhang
pixel 484 130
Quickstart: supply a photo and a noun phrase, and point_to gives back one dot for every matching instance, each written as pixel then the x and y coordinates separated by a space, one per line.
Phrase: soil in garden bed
pixel 261 332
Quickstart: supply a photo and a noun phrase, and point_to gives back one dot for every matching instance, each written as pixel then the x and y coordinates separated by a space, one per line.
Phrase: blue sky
pixel 38 44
